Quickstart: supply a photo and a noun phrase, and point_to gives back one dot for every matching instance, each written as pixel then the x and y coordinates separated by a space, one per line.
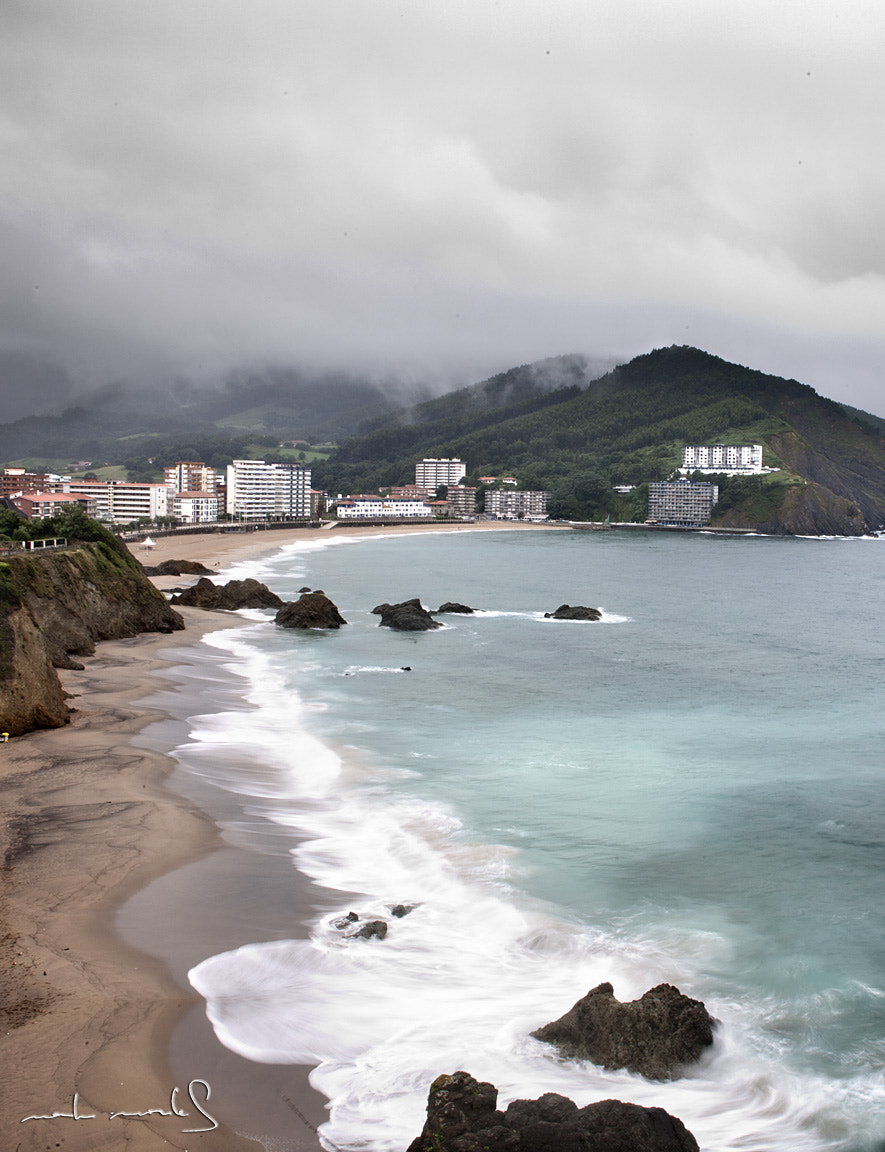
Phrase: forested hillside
pixel 628 426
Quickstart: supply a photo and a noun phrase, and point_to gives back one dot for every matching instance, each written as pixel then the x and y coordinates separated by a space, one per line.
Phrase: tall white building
pixel 257 490
pixel 731 458
pixel 431 473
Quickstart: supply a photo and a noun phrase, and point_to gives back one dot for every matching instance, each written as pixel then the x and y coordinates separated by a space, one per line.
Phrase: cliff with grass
pixel 54 607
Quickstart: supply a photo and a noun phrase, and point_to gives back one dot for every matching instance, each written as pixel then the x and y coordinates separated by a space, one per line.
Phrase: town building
pixel 732 459
pixel 510 504
pixel 16 480
pixel 683 503
pixel 257 490
pixel 381 508
pixel 461 500
pixel 195 507
pixel 190 476
pixel 432 473
pixel 38 505
pixel 411 492
pixel 132 501
pixel 96 494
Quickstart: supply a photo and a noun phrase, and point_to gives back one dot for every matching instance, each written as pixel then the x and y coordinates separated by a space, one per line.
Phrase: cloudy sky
pixel 443 188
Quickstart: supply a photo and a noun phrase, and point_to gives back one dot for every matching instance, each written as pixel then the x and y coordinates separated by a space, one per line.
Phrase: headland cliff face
pixel 54 606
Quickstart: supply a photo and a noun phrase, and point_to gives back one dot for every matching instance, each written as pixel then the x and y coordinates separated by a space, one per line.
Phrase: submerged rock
pixel 576 612
pixel 654 1036
pixel 409 616
pixel 462 1117
pixel 231 596
pixel 311 610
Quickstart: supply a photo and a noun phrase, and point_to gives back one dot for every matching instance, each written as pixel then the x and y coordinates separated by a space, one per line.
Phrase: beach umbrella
pixel 148 543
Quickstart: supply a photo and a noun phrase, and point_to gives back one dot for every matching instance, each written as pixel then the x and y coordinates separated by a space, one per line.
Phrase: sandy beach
pixel 87 1019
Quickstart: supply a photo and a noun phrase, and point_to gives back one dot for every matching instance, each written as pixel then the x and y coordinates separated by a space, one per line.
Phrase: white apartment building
pixel 257 490
pixel 380 508
pixel 507 504
pixel 190 476
pixel 431 473
pixel 121 501
pixel 730 458
pixel 130 501
pixel 195 507
pixel 95 492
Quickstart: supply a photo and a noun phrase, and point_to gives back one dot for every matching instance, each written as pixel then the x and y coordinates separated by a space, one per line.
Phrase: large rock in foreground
pixel 229 597
pixel 409 616
pixel 576 612
pixel 311 610
pixel 462 1117
pixel 655 1036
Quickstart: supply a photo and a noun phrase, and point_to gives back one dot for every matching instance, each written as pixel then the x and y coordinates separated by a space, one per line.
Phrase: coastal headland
pixel 87 1020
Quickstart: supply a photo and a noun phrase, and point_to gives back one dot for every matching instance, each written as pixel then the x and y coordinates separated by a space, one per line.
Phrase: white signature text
pixel 174 1109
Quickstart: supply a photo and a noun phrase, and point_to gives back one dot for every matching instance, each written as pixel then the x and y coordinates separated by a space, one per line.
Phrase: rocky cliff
pixel 56 605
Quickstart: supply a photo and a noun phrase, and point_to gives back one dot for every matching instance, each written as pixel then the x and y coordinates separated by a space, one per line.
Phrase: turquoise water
pixel 689 790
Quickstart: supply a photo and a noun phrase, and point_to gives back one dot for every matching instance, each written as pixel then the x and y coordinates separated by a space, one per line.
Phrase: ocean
pixel 687 791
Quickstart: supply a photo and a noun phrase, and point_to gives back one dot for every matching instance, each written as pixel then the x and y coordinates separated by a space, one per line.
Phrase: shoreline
pixel 87 1018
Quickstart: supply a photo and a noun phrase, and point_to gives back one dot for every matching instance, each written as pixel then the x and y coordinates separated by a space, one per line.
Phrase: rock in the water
pixel 409 616
pixel 400 910
pixel 346 921
pixel 462 1117
pixel 573 612
pixel 235 594
pixel 311 610
pixel 654 1036
pixel 452 606
pixel 177 568
pixel 372 929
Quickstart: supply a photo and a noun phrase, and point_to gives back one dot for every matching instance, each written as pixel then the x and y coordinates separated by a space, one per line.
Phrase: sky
pixel 437 190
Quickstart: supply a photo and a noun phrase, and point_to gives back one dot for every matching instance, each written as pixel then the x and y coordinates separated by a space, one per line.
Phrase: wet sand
pixel 91 1026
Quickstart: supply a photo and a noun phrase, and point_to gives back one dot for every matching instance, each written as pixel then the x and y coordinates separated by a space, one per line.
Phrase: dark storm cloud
pixel 441 191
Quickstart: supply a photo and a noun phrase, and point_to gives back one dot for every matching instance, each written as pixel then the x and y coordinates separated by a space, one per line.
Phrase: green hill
pixel 628 426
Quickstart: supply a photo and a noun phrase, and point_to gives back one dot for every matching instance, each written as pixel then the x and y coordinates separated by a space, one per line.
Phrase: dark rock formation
pixel 576 612
pixel 56 605
pixel 372 929
pixel 177 568
pixel 229 597
pixel 462 1117
pixel 346 921
pixel 400 910
pixel 655 1036
pixel 406 617
pixel 452 606
pixel 312 610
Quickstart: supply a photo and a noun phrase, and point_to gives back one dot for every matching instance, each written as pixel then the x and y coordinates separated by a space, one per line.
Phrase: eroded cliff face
pixel 57 605
pixel 807 510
